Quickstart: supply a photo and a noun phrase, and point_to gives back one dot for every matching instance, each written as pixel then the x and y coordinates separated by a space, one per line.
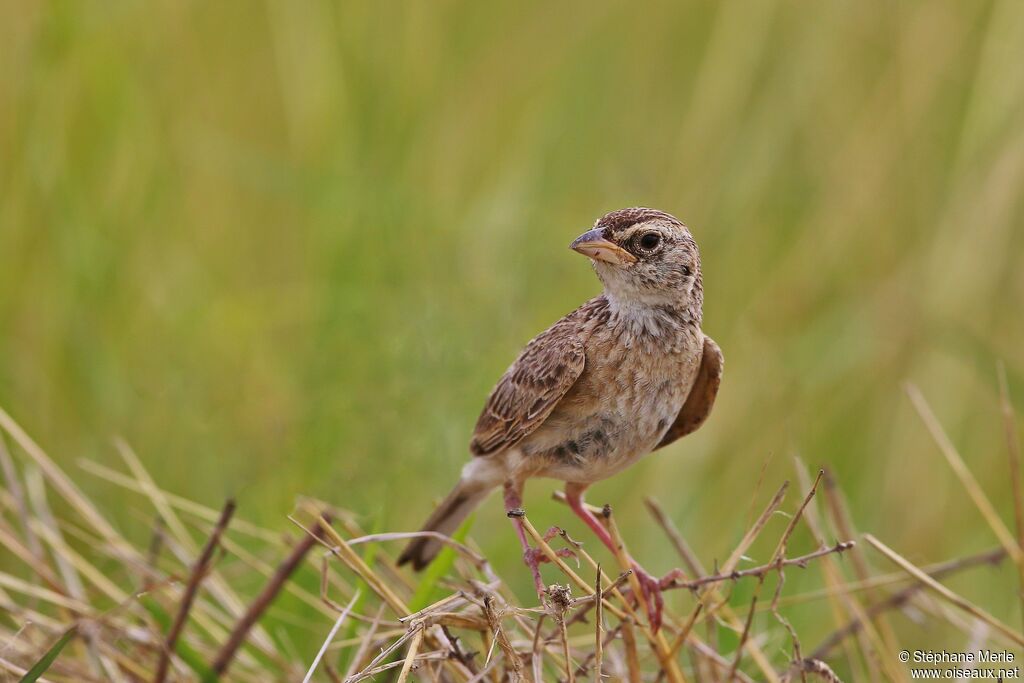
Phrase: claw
pixel 651 588
pixel 532 559
pixel 536 556
pixel 670 579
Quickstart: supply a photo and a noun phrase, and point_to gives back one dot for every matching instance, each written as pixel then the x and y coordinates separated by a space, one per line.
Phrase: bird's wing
pixel 702 395
pixel 529 390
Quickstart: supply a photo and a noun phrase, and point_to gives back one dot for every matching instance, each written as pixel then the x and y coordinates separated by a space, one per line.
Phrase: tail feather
pixel 452 512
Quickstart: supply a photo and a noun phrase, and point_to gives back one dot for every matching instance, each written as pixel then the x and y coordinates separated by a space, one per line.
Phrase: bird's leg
pixel 650 586
pixel 514 511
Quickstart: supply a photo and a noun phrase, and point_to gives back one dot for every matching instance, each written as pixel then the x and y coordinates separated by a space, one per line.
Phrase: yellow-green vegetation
pixel 175 611
pixel 285 249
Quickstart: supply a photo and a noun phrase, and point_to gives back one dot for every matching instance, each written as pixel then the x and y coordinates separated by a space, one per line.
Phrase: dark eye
pixel 686 271
pixel 650 241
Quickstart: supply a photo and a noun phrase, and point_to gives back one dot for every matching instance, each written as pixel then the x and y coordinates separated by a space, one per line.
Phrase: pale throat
pixel 627 291
pixel 666 320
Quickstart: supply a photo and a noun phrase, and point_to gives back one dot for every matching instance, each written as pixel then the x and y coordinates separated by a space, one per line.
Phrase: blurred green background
pixel 286 248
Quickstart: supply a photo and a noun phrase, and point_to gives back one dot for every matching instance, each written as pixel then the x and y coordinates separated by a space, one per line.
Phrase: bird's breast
pixel 617 412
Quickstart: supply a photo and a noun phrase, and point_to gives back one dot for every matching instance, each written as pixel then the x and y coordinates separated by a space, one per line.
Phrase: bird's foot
pixel 538 556
pixel 534 557
pixel 651 587
pixel 531 560
pixel 672 579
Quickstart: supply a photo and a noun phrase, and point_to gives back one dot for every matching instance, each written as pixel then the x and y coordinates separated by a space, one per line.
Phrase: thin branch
pixel 263 600
pixel 778 560
pixel 755 530
pixel 780 552
pixel 426 657
pixel 843 523
pixel 734 667
pixel 385 653
pixel 844 602
pixel 762 570
pixel 449 603
pixel 589 660
pixel 199 570
pixel 780 549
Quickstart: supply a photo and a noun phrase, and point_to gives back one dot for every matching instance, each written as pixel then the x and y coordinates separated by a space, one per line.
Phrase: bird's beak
pixel 594 245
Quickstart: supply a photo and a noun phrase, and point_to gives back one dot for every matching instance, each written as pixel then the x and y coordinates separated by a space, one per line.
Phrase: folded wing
pixel 531 388
pixel 701 397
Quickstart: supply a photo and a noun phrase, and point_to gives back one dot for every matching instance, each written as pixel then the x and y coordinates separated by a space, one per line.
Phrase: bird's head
pixel 644 256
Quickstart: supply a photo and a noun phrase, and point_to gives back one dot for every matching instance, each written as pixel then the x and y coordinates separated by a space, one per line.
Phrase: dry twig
pixel 194 579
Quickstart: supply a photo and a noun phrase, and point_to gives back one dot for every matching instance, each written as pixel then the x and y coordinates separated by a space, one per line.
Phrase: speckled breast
pixel 617 412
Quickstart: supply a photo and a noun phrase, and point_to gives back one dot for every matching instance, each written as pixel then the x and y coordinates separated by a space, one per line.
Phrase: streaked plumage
pixel 626 373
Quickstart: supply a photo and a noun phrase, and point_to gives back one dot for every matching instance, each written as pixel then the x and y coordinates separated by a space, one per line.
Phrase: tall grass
pixel 117 610
pixel 286 248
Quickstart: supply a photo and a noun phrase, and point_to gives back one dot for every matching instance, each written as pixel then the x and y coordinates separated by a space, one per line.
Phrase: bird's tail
pixel 463 499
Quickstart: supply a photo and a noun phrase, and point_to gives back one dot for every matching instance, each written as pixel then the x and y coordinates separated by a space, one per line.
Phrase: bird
pixel 625 374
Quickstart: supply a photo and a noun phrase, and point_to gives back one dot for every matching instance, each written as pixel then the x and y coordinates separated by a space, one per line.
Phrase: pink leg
pixel 514 511
pixel 649 585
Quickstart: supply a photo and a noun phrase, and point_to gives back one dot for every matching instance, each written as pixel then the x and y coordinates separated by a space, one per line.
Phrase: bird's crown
pixel 617 221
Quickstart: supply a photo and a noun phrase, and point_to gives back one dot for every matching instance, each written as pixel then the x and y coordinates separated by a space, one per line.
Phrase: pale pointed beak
pixel 593 244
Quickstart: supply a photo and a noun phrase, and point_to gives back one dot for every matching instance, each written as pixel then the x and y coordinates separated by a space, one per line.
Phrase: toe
pixel 655 605
pixel 654 602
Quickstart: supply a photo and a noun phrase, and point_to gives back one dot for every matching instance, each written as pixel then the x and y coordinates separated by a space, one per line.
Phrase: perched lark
pixel 624 374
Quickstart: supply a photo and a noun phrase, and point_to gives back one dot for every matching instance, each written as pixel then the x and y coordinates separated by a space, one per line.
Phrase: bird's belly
pixel 607 422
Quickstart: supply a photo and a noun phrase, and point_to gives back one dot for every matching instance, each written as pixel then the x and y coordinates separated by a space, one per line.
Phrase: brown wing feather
pixel 529 390
pixel 702 395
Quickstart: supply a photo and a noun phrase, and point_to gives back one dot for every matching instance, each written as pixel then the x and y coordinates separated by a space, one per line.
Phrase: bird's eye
pixel 650 241
pixel 686 271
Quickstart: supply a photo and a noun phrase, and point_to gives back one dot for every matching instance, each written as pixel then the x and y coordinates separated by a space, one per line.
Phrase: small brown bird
pixel 624 374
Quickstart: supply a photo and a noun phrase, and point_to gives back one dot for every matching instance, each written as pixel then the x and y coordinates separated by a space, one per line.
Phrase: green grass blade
pixel 426 590
pixel 40 667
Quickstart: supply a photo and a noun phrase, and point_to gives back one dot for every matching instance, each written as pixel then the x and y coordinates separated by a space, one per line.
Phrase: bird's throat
pixel 662 322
